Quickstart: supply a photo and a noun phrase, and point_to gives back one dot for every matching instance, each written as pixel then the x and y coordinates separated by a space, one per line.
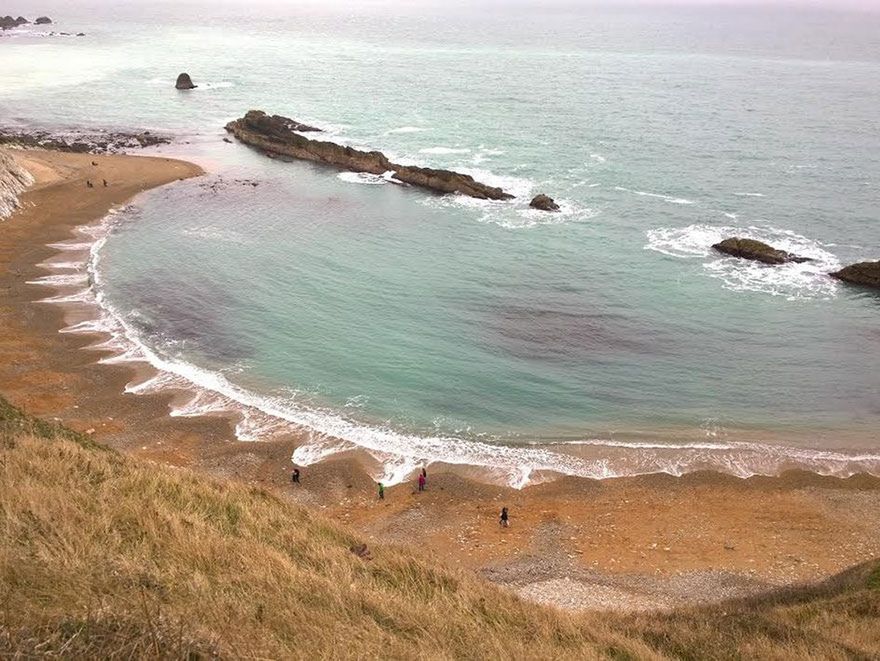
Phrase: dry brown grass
pixel 103 556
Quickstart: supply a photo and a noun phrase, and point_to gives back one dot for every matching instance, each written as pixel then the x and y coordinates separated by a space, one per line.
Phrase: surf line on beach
pixel 400 454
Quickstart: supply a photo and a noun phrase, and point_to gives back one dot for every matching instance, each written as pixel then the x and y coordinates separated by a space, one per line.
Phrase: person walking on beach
pixel 105 182
pixel 294 476
pixel 381 491
pixel 503 522
pixel 422 481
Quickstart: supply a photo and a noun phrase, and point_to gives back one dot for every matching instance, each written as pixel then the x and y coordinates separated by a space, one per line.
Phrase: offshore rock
pixel 544 203
pixel 866 274
pixel 7 22
pixel 184 82
pixel 43 20
pixel 279 136
pixel 757 251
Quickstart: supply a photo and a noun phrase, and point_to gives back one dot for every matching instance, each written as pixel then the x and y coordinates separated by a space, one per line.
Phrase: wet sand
pixel 628 543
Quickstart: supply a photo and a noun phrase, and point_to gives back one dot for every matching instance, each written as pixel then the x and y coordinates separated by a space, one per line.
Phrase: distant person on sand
pixel 88 184
pixel 381 491
pixel 105 183
pixel 294 477
pixel 422 481
pixel 503 520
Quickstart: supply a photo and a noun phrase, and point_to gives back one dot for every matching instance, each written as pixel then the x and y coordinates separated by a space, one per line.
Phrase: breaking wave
pixel 792 281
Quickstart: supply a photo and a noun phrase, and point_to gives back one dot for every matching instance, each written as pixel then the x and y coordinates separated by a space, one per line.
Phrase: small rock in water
pixel 866 274
pixel 757 251
pixel 184 82
pixel 544 203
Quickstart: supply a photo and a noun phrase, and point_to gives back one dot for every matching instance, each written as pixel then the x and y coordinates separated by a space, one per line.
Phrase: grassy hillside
pixel 105 556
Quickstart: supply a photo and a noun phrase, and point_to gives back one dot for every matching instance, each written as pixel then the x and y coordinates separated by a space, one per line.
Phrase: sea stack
pixel 184 82
pixel 43 20
pixel 866 274
pixel 757 251
pixel 544 203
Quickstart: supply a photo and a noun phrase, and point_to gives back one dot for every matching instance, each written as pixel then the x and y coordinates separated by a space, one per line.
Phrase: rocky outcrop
pixel 13 180
pixel 7 22
pixel 544 203
pixel 757 251
pixel 80 141
pixel 184 82
pixel 277 135
pixel 866 274
pixel 43 20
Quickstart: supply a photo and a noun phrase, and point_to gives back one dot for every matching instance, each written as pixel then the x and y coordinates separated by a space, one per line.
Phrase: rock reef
pixel 866 274
pixel 82 141
pixel 757 251
pixel 43 20
pixel 184 82
pixel 276 135
pixel 544 203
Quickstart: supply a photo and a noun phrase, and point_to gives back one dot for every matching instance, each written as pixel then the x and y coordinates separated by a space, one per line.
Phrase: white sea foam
pixel 408 129
pixel 362 178
pixel 444 150
pixel 71 246
pixel 743 459
pixel 598 158
pixel 792 281
pixel 660 196
pixel 749 194
pixel 569 212
pixel 63 265
pixel 61 280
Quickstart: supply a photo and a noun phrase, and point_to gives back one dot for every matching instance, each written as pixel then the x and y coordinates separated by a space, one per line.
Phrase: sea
pixel 608 339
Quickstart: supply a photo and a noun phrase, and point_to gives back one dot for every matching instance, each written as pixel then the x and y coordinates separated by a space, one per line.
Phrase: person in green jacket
pixel 381 491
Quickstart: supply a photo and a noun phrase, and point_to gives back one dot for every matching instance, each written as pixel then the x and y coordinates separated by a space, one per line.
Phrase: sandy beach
pixel 627 543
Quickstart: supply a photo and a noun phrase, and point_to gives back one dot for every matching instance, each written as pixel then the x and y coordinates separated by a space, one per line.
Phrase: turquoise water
pixel 393 318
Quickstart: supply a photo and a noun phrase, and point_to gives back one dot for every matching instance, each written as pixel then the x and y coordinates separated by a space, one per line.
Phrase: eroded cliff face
pixel 281 136
pixel 14 179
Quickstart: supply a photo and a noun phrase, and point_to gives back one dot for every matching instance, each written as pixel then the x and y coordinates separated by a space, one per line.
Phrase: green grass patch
pixel 15 422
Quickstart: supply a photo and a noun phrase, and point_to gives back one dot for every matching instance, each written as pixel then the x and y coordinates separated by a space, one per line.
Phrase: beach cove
pixel 644 541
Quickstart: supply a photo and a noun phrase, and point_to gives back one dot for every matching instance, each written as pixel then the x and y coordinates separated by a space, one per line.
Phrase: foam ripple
pixel 792 281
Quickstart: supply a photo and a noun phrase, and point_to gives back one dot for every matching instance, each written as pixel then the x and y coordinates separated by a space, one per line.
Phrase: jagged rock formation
pixel 544 203
pixel 277 135
pixel 80 141
pixel 184 82
pixel 7 22
pixel 757 251
pixel 13 180
pixel 866 274
pixel 43 20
